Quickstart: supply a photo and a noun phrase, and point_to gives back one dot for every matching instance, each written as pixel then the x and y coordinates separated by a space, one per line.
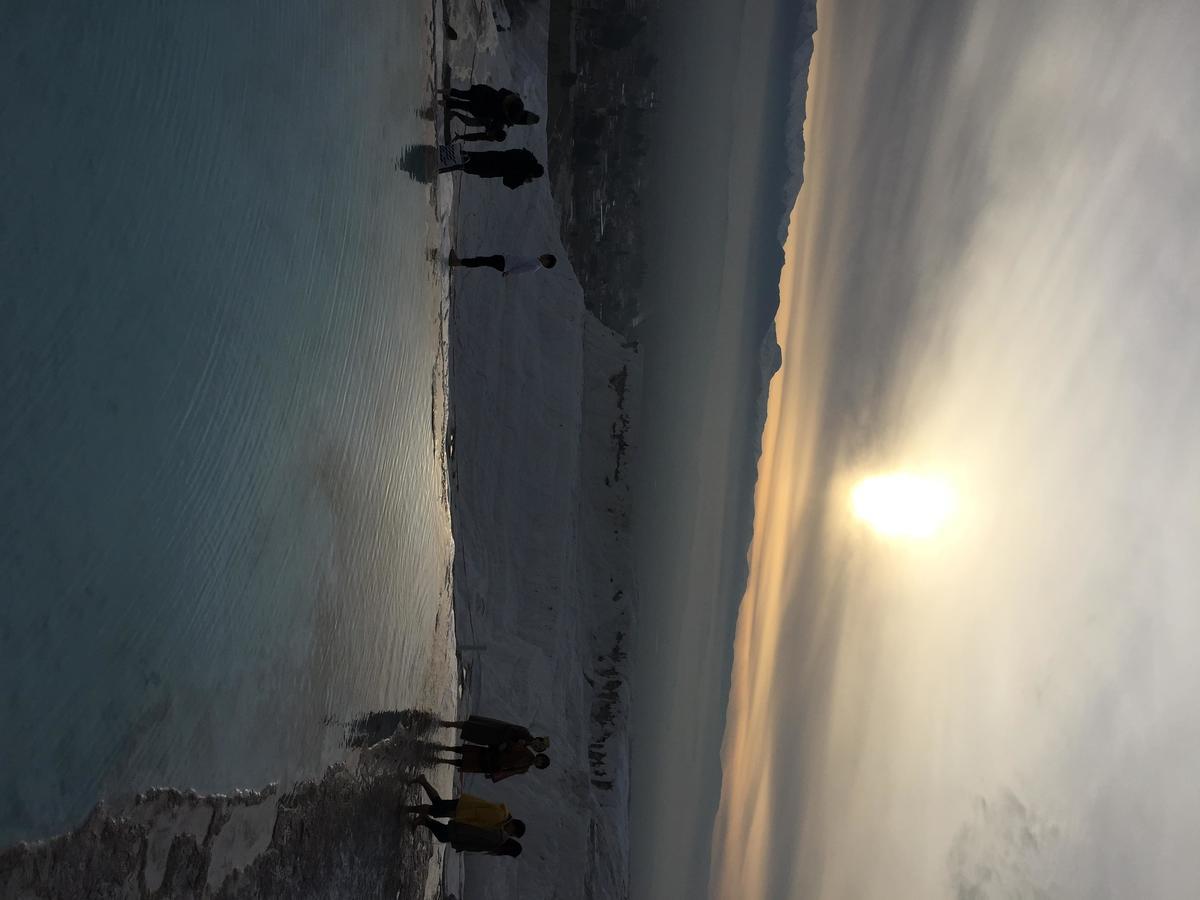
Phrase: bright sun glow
pixel 902 505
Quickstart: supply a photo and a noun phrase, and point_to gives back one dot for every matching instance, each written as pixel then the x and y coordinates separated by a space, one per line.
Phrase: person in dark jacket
pixel 506 265
pixel 516 167
pixel 497 763
pixel 495 106
pixel 490 732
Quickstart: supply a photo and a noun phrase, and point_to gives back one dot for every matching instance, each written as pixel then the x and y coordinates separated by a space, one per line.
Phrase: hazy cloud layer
pixel 1002 851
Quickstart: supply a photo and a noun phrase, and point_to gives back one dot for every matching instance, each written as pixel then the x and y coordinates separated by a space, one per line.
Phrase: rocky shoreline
pixel 337 836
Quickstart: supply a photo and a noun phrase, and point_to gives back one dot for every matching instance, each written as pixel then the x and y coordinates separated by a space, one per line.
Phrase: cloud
pixel 1004 851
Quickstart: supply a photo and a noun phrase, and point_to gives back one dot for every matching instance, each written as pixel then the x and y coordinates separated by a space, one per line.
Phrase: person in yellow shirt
pixel 472 810
pixel 468 809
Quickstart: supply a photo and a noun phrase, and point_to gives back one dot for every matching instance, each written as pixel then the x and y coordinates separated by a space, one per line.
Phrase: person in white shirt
pixel 506 265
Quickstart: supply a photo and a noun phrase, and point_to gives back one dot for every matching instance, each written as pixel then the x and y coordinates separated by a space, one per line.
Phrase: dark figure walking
pixel 493 106
pixel 494 732
pixel 516 167
pixel 478 262
pixel 497 763
pixel 506 265
pixel 469 839
pixel 468 809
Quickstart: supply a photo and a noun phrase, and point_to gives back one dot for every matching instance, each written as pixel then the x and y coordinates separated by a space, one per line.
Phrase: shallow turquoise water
pixel 221 514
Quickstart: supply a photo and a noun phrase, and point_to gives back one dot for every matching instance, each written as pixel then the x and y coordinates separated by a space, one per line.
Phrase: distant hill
pixel 780 180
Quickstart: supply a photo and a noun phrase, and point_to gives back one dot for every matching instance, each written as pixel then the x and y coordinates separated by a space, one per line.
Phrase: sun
pixel 904 505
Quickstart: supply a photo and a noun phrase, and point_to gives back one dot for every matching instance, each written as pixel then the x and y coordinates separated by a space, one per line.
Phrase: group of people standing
pixel 494 111
pixel 498 750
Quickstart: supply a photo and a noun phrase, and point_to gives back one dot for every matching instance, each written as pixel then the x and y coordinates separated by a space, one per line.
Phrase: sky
pixel 991 278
